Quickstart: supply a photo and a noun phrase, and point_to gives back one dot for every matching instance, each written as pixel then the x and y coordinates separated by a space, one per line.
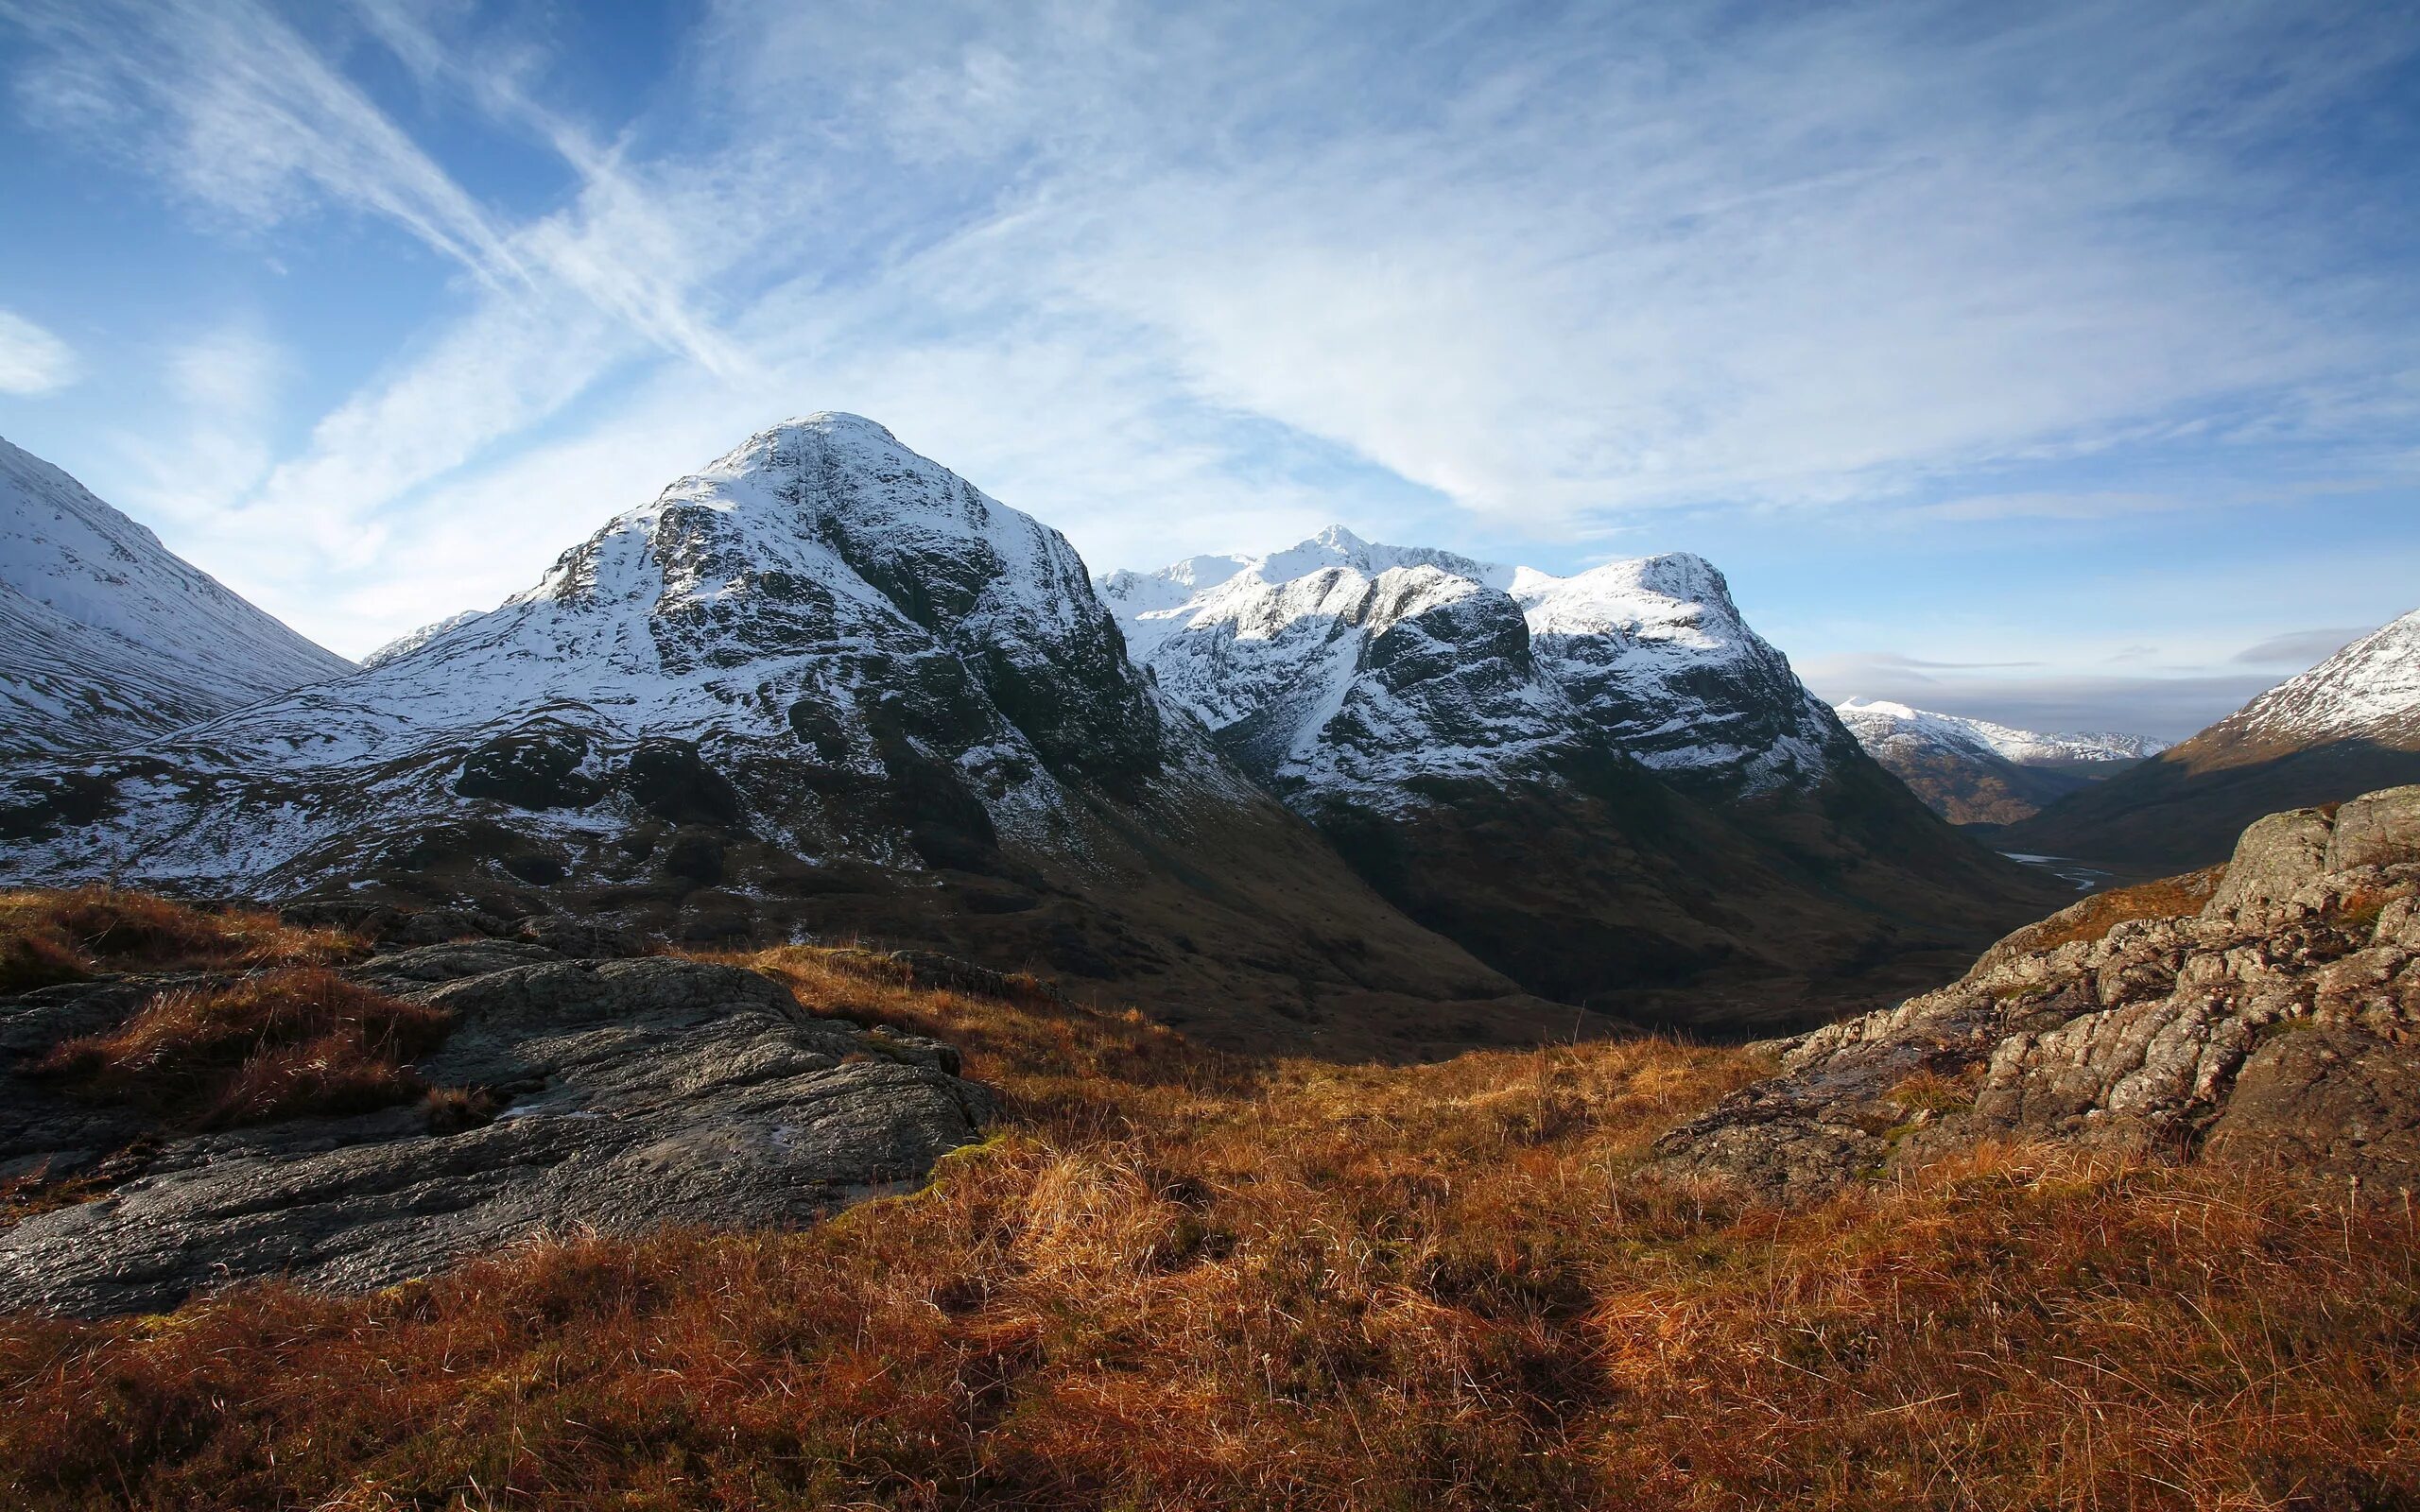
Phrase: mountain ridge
pixel 111 637
pixel 1603 784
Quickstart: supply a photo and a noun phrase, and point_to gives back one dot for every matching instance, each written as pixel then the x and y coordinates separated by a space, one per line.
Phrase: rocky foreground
pixel 2264 1012
pixel 571 1092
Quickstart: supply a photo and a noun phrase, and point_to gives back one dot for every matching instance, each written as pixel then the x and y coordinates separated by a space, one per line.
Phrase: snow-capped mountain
pixel 2349 725
pixel 107 637
pixel 1596 783
pixel 821 684
pixel 1973 771
pixel 2368 691
pixel 1342 666
pixel 1878 724
pixel 821 596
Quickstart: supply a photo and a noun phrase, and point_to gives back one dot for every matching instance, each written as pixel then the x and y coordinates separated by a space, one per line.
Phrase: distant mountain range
pixel 2348 726
pixel 107 637
pixel 1973 771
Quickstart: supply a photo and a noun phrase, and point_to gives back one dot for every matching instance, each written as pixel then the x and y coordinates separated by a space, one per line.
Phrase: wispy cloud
pixel 33 361
pixel 244 116
pixel 1917 668
pixel 226 383
pixel 1599 280
pixel 239 114
pixel 2096 504
pixel 2299 648
pixel 1181 279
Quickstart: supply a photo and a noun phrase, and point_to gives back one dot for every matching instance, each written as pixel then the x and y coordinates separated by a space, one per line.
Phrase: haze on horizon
pixel 2054 366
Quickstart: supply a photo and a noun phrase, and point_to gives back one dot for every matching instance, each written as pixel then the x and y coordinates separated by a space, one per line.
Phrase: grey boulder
pixel 638 1093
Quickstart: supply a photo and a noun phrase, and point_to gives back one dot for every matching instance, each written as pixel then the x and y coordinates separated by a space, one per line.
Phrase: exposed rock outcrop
pixel 613 1096
pixel 2263 1012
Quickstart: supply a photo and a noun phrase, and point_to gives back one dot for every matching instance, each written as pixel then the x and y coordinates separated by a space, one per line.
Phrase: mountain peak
pixel 832 423
pixel 1621 651
pixel 1972 771
pixel 1876 722
pixel 837 430
pixel 821 604
pixel 1874 706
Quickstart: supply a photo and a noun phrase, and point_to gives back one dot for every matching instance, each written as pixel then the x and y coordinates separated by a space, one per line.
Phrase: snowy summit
pixel 1876 722
pixel 1345 666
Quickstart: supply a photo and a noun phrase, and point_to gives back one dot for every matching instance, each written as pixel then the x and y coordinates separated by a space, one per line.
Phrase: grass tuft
pixel 48 937
pixel 280 1044
pixel 2093 918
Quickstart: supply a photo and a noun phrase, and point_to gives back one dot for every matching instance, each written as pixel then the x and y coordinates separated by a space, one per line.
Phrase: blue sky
pixel 2052 363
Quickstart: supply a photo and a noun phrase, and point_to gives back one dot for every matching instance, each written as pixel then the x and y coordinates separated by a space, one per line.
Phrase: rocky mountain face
pixel 823 687
pixel 1345 667
pixel 2349 724
pixel 2262 1011
pixel 1973 771
pixel 107 637
pixel 1595 783
pixel 630 1094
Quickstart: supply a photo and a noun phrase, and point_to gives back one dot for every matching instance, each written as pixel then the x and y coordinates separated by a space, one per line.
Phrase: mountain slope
pixel 106 636
pixel 822 687
pixel 1973 771
pixel 2349 725
pixel 1605 785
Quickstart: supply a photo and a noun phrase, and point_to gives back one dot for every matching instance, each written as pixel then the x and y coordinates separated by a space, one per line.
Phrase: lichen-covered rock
pixel 2277 1022
pixel 626 1095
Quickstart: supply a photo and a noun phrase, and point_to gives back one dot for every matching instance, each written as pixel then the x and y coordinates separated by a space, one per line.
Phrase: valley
pixel 1974 772
pixel 823 1000
pixel 2350 723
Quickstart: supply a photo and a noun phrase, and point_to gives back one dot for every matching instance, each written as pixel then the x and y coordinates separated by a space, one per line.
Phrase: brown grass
pixel 275 1045
pixel 2358 911
pixel 2093 918
pixel 50 937
pixel 1179 1281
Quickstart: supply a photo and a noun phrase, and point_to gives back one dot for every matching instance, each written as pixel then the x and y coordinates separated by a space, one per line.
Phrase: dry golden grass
pixel 1181 1281
pixel 277 1044
pixel 2093 918
pixel 50 937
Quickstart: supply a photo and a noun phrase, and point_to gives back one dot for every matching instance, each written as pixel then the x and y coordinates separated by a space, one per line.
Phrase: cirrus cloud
pixel 33 361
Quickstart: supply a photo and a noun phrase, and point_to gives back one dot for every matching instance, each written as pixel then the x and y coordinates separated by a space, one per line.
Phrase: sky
pixel 2058 364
